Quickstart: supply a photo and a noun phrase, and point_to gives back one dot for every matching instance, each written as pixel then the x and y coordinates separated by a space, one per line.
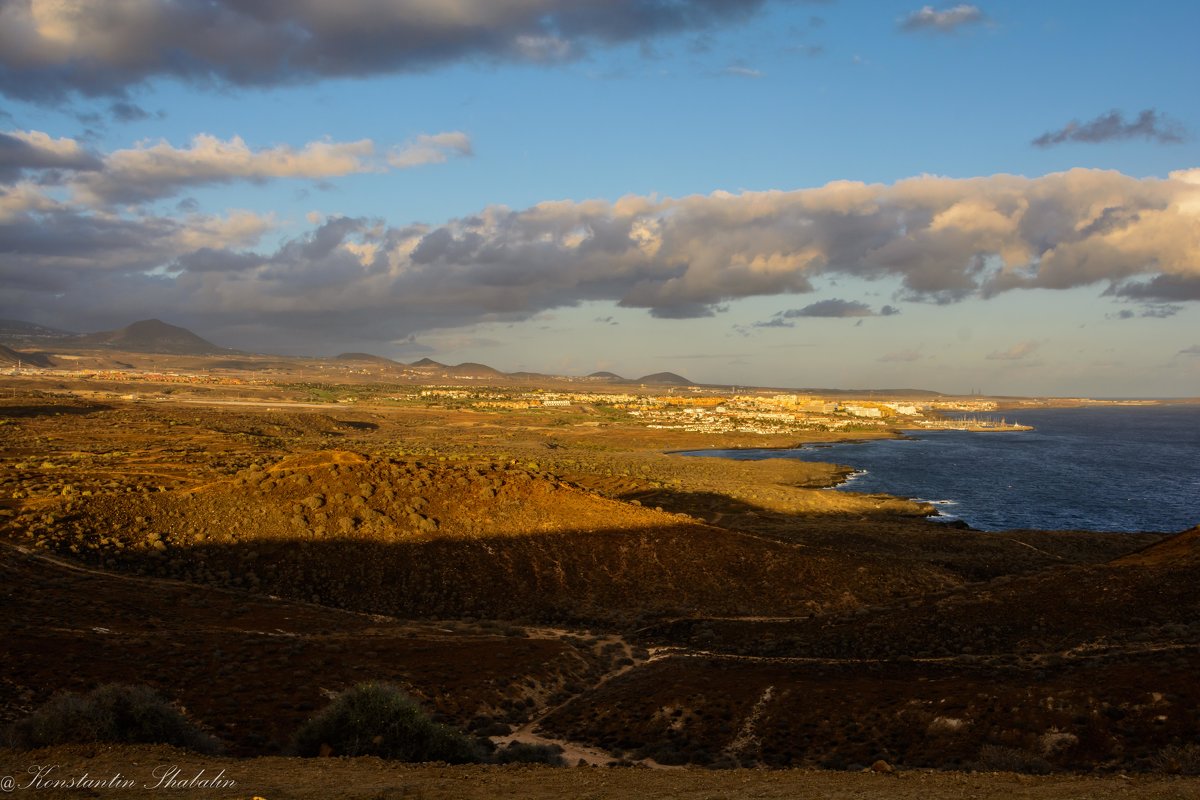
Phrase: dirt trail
pixel 573 752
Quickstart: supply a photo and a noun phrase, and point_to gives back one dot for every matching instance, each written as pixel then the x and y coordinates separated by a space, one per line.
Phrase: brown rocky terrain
pixel 542 576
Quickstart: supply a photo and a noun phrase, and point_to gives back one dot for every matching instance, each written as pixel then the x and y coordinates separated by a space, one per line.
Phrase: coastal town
pixel 691 408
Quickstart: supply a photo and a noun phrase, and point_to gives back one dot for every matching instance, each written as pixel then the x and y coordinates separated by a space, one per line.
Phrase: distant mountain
pixel 14 357
pixel 18 329
pixel 606 376
pixel 470 368
pixel 368 358
pixel 153 336
pixel 428 362
pixel 665 379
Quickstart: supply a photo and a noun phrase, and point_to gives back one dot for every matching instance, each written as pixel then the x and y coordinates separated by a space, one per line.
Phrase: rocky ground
pixel 372 779
pixel 546 577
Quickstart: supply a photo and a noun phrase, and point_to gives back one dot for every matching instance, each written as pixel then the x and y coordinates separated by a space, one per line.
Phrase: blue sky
pixel 634 185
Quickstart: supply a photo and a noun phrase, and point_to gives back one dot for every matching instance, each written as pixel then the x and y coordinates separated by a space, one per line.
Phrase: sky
pixel 1000 197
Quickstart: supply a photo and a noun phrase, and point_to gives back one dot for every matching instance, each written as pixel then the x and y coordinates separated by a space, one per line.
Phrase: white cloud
pixel 431 149
pixel 941 239
pixel 945 21
pixel 152 170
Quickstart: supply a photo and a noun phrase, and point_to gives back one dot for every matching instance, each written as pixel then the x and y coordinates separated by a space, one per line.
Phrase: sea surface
pixel 1105 468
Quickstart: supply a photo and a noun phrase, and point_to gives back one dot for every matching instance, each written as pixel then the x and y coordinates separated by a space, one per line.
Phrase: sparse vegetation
pixel 997 758
pixel 110 713
pixel 1178 759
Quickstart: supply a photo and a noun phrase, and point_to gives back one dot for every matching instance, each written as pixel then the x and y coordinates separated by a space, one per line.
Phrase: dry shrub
pixel 111 713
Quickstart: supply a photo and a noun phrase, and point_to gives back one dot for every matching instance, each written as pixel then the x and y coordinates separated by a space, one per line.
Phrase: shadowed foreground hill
pixel 1076 667
pixel 430 539
pixel 250 668
pixel 1145 601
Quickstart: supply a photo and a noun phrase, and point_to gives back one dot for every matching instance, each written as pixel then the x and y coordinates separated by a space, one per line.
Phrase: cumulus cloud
pixel 50 49
pixel 941 239
pixel 24 151
pixel 1150 124
pixel 431 149
pixel 152 170
pixel 1014 353
pixel 945 21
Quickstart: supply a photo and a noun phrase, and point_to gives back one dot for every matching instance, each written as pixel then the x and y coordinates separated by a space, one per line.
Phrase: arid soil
pixel 542 576
pixel 373 779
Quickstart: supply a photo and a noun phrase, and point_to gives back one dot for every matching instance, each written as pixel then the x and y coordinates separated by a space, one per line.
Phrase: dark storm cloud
pixel 206 259
pixel 51 50
pixel 1150 124
pixel 947 20
pixel 939 239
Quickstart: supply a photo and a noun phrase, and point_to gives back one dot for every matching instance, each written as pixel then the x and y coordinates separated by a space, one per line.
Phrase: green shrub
pixel 525 753
pixel 110 713
pixel 378 719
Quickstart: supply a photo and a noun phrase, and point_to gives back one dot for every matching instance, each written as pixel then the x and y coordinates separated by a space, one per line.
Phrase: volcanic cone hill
pixel 153 336
pixel 664 379
pixel 452 539
pixel 367 358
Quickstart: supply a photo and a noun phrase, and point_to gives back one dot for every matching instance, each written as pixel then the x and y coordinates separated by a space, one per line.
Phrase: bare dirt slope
pixel 429 538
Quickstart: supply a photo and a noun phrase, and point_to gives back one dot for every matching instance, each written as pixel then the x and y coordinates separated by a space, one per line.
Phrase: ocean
pixel 1101 468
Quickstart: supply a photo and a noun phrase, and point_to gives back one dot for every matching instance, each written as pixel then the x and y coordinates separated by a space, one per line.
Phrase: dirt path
pixel 573 752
